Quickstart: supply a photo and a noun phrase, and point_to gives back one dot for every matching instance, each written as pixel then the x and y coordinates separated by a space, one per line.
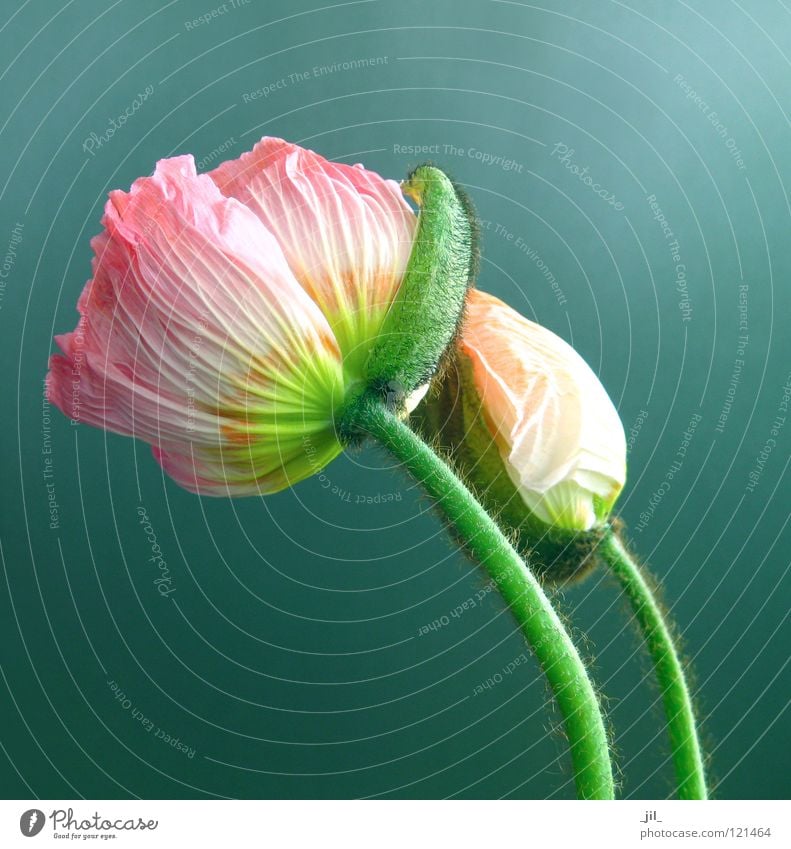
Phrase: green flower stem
pixel 538 620
pixel 681 724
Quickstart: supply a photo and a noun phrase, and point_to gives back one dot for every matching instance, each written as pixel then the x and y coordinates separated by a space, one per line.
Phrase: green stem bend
pixel 684 742
pixel 545 633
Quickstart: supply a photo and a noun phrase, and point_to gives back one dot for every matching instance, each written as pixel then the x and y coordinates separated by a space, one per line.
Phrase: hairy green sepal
pixel 427 310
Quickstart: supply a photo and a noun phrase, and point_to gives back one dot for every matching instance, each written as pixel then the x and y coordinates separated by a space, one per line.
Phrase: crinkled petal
pixel 195 336
pixel 345 231
pixel 558 433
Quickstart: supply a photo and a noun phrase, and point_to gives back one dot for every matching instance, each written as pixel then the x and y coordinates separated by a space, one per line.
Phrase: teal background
pixel 289 657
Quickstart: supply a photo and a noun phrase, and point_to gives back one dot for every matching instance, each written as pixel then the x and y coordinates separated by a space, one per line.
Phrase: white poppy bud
pixel 532 429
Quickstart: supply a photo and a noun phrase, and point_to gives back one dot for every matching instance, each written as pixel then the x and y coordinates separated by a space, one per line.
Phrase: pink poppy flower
pixel 230 313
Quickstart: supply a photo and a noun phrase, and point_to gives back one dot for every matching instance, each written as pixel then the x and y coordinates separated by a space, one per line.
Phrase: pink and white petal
pixel 557 431
pixel 238 469
pixel 346 232
pixel 193 330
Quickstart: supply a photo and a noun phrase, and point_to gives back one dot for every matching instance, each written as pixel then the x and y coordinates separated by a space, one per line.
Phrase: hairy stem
pixel 545 633
pixel 684 743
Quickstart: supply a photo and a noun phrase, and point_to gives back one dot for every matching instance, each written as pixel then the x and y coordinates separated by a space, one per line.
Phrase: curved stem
pixel 538 620
pixel 681 724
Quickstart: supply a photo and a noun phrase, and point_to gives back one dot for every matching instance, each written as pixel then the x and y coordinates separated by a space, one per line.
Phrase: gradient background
pixel 288 659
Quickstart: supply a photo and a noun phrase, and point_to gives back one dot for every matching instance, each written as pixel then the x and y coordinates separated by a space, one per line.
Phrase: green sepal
pixel 451 418
pixel 426 312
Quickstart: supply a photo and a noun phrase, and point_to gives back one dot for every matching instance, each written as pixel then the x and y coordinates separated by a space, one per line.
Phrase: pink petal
pixel 195 335
pixel 345 231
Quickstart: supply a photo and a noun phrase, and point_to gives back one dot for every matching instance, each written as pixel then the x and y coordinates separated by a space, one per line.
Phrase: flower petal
pixel 345 231
pixel 195 337
pixel 557 431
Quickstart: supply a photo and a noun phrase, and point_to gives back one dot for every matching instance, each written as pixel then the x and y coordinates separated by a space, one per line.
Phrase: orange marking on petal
pixel 238 437
pixel 329 342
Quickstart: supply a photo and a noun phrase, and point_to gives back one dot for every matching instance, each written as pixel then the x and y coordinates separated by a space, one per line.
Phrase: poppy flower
pixel 557 431
pixel 230 314
pixel 531 427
